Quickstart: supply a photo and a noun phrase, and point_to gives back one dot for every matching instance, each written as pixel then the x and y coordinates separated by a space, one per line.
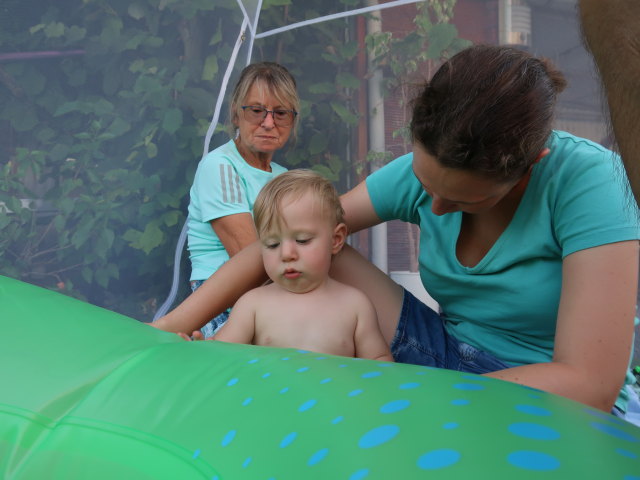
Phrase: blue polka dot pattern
pixel 228 438
pixel 395 406
pixel 286 441
pixel 318 456
pixel 529 460
pixel 468 386
pixel 380 413
pixel 626 453
pixel 533 410
pixel 410 385
pixel 307 405
pixel 615 432
pixel 437 459
pixel 360 474
pixel 533 431
pixel 378 436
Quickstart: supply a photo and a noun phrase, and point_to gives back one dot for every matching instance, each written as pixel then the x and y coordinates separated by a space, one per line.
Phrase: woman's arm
pixel 351 268
pixel 240 274
pixel 594 330
pixel 235 231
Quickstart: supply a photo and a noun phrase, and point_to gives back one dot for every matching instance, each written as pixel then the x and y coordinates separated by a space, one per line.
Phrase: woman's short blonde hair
pixel 267 209
pixel 275 78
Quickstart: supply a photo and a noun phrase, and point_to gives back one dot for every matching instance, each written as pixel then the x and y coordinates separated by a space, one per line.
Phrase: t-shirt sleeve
pixel 220 189
pixel 395 192
pixel 594 205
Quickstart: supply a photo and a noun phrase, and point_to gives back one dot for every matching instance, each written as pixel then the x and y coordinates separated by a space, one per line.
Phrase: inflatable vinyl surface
pixel 89 394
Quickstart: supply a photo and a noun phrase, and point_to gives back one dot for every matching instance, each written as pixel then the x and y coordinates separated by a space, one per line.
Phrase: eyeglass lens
pixel 256 114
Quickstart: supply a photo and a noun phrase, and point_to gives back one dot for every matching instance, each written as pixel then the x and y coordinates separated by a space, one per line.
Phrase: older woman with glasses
pixel 263 111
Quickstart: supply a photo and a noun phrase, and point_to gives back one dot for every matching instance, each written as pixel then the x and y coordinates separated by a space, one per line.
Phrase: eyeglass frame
pixel 267 112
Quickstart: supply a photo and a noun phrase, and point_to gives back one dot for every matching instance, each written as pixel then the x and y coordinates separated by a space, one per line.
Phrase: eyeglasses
pixel 256 114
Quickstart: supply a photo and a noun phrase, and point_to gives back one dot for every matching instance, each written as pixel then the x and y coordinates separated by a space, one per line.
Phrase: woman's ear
pixel 339 237
pixel 542 154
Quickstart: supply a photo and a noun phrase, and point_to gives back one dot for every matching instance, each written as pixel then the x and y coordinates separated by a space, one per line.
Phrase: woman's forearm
pixel 238 275
pixel 566 381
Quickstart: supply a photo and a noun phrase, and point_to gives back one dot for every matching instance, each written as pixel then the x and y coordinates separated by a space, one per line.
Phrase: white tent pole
pixel 376 139
pixel 173 292
pixel 254 29
pixel 334 16
pixel 223 88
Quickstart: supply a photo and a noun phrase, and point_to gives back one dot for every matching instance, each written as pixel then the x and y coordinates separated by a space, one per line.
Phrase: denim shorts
pixel 422 339
pixel 216 322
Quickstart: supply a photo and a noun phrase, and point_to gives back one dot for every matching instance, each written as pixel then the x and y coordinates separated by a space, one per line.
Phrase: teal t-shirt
pixel 224 185
pixel 507 304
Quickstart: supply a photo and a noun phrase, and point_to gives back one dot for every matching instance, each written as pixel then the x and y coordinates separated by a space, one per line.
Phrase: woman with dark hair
pixel 263 111
pixel 528 241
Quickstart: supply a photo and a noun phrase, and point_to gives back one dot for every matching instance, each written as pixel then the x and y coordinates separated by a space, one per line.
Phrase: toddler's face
pixel 297 249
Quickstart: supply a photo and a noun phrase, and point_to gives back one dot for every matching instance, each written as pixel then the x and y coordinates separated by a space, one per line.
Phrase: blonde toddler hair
pixel 293 184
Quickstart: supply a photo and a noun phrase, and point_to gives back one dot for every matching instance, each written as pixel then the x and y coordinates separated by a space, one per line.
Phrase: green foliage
pixel 99 146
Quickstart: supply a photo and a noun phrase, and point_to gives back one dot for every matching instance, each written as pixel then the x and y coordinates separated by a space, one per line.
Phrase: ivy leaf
pixel 172 120
pixel 171 218
pixel 150 238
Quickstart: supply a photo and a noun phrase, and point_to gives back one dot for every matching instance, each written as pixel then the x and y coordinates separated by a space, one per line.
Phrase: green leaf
pixel 440 37
pixel 344 114
pixel 87 274
pixel 54 30
pixel 172 120
pixel 318 143
pixel 150 238
pixel 171 218
pixel 275 3
pixel 348 80
pixel 324 87
pixel 136 11
pixel 217 35
pixel 119 127
pixel 210 68
pixel 81 235
pixel 152 150
pixel 75 34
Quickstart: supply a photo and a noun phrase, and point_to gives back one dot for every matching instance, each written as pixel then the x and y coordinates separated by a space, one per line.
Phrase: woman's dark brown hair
pixel 489 110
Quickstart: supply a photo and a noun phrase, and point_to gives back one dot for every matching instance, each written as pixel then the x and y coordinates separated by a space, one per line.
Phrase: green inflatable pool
pixel 89 394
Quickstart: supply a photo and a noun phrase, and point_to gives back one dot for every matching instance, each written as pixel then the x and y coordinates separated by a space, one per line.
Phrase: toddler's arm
pixel 369 341
pixel 240 327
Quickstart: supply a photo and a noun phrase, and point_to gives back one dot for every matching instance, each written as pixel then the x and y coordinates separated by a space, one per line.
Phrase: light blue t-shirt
pixel 507 304
pixel 224 184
